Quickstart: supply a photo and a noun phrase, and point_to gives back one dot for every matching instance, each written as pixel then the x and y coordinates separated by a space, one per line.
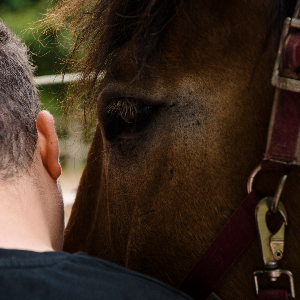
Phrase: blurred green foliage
pixel 20 16
pixel 47 53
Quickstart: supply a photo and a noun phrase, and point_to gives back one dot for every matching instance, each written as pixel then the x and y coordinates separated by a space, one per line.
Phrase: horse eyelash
pixel 123 106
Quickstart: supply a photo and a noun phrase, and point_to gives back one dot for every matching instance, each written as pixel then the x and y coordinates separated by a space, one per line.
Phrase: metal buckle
pixel 278 81
pixel 274 275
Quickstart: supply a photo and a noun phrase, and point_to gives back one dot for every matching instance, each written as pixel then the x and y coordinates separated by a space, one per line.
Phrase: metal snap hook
pixel 274 206
pixel 272 243
pixel 275 202
pixel 251 178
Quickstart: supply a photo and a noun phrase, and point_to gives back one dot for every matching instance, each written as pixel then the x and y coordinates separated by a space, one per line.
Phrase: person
pixel 32 265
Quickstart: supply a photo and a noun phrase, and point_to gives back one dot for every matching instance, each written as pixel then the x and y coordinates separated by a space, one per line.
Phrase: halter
pixel 282 152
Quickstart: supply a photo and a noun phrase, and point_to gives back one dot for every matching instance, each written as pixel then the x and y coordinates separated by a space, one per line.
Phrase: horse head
pixel 183 113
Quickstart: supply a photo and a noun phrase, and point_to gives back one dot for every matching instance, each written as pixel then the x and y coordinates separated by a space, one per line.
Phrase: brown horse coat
pixel 183 114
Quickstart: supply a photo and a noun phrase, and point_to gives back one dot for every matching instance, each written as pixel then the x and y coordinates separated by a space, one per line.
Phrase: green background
pixel 46 52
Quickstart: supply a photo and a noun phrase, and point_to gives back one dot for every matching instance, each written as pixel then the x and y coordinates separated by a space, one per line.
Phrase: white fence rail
pixel 56 79
pixel 62 78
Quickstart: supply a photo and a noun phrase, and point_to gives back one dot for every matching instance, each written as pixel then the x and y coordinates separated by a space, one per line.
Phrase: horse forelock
pixel 106 29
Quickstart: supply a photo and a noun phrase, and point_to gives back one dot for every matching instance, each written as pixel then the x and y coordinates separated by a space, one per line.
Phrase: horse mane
pixel 104 28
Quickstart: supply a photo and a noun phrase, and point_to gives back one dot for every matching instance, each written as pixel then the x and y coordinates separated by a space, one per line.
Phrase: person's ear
pixel 48 143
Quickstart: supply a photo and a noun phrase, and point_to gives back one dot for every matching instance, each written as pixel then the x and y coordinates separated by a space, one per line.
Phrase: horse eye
pixel 124 117
pixel 129 117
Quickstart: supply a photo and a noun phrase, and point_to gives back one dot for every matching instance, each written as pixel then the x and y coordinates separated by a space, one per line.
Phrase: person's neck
pixel 23 223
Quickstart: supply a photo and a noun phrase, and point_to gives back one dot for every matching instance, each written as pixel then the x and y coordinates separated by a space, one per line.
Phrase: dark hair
pixel 19 106
pixel 104 28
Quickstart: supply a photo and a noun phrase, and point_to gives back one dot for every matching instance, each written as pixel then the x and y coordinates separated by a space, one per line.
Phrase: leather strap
pixel 283 145
pixel 222 253
pixel 273 294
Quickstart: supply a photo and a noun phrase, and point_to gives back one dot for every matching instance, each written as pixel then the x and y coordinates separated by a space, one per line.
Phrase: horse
pixel 182 119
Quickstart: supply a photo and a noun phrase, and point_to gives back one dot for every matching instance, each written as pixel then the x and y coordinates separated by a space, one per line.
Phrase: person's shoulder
pixel 31 275
pixel 122 279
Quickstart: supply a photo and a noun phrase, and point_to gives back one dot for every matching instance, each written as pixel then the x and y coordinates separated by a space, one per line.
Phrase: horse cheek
pixel 81 233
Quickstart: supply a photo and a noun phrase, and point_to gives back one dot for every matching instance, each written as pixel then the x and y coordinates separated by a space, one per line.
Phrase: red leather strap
pixel 283 146
pixel 273 294
pixel 222 253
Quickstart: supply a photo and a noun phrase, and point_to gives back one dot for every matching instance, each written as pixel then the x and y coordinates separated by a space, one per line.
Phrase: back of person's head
pixel 19 106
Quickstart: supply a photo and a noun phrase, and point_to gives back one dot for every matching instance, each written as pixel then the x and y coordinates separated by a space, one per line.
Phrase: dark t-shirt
pixel 58 275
